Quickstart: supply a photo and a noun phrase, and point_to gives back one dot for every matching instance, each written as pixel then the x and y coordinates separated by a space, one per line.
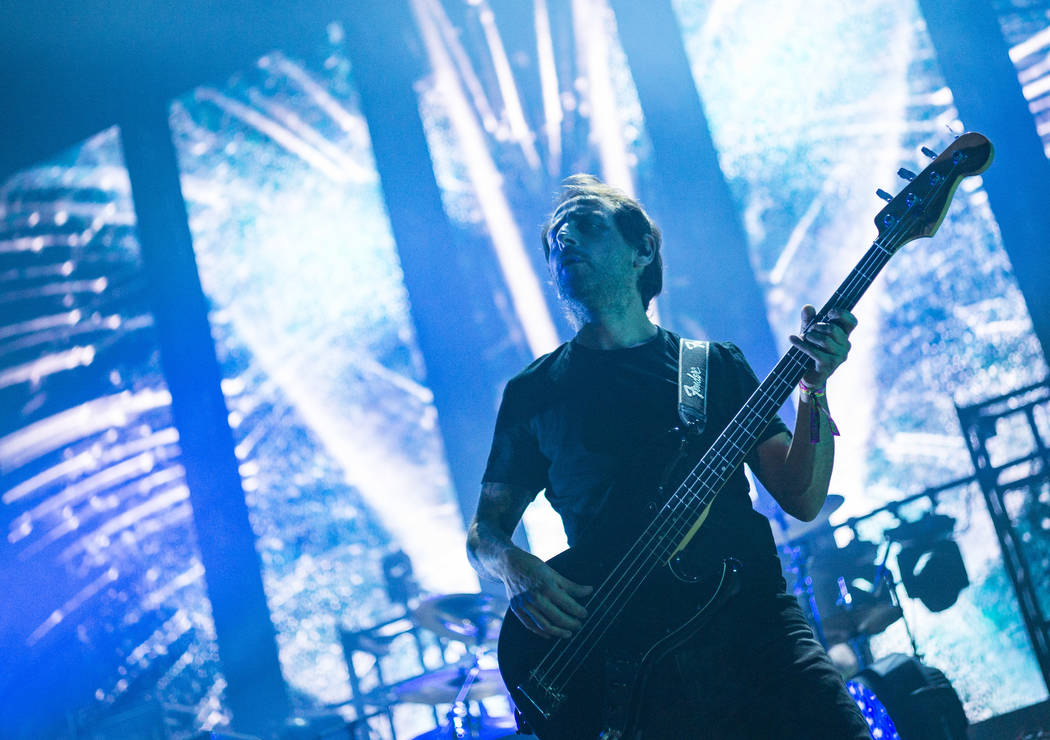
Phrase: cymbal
pixel 441 686
pixel 878 618
pixel 465 617
pixel 866 613
pixel 868 620
pixel 796 530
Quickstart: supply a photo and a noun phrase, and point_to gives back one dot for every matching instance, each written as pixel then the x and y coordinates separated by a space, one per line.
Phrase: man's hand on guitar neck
pixel 826 343
pixel 796 469
pixel 543 599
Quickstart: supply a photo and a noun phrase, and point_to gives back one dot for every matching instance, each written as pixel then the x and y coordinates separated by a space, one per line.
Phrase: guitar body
pixel 609 687
pixel 612 668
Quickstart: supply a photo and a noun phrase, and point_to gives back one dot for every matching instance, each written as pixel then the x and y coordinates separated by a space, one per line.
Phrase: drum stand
pixel 798 555
pixel 375 641
pixel 481 622
pixel 459 726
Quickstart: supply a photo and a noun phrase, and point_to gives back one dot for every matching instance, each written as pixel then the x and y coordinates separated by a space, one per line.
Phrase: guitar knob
pixel 906 174
pixel 929 152
pixel 884 195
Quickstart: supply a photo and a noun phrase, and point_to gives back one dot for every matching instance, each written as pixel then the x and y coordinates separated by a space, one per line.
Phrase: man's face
pixel 589 258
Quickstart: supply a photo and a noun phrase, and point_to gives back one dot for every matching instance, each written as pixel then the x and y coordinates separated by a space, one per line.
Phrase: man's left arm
pixel 796 470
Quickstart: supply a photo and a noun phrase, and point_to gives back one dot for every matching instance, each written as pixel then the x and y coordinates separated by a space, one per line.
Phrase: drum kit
pixel 847 593
pixel 470 619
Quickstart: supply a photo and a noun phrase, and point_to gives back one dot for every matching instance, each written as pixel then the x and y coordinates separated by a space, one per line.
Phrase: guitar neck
pixel 917 211
pixel 754 416
pixel 728 451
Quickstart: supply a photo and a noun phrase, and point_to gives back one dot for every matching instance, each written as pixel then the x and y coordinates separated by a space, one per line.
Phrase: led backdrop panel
pixel 1026 28
pixel 812 110
pixel 104 605
pixel 335 427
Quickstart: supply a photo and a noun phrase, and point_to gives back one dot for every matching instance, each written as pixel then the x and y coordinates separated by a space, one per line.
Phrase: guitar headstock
pixel 920 207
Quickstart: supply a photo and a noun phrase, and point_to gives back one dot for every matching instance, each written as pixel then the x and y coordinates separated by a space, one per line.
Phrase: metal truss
pixel 1009 442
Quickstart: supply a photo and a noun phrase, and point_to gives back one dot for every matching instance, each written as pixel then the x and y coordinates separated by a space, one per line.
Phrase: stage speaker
pixel 919 699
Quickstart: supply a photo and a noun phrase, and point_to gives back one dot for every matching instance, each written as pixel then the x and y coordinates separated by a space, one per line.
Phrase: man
pixel 569 421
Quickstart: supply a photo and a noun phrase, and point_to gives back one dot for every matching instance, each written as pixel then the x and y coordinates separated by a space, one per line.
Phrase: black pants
pixel 755 673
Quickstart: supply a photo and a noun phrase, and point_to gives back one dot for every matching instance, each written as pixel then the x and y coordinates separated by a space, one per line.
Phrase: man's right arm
pixel 544 600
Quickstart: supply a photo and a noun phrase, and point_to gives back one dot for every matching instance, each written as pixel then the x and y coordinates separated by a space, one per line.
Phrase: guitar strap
pixel 692 383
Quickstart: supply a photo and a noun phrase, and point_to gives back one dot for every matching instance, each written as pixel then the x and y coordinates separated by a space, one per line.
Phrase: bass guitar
pixel 659 575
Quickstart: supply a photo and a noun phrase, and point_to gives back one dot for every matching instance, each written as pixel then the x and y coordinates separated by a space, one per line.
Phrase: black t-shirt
pixel 571 419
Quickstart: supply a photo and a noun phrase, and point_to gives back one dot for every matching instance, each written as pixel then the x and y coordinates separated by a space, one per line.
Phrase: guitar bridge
pixel 545 699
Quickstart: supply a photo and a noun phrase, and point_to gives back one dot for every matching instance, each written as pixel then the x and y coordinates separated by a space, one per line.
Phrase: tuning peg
pixel 906 174
pixel 929 152
pixel 884 195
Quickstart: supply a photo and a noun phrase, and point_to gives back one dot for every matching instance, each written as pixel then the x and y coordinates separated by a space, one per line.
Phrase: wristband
pixel 817 398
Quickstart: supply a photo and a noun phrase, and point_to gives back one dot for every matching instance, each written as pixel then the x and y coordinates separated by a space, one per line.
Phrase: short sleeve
pixel 515 457
pixel 742 379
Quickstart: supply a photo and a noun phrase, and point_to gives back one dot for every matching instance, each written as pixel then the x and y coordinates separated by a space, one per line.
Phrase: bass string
pixel 607 610
pixel 562 655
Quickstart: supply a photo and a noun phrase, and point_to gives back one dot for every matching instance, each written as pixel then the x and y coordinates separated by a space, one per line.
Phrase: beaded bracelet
pixel 818 401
